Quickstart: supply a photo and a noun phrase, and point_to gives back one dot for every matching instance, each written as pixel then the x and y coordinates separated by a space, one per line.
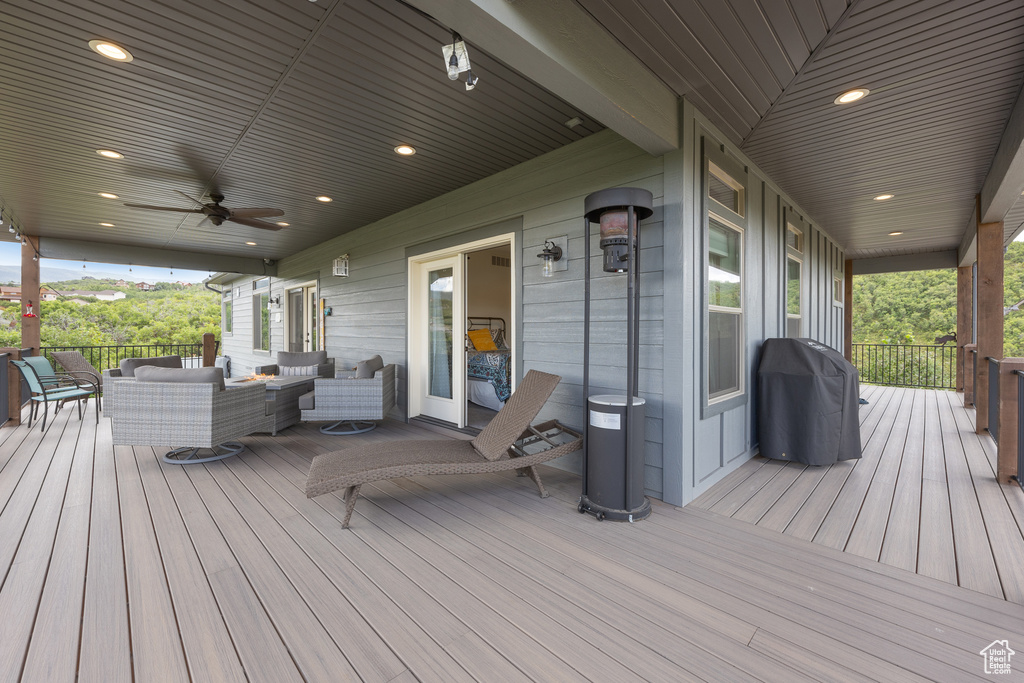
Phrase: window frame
pixel 712 209
pixel 261 292
pixel 838 286
pixel 227 312
pixel 790 256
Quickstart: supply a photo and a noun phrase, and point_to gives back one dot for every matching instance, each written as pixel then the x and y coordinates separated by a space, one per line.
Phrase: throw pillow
pixel 365 369
pixel 291 370
pixel 482 340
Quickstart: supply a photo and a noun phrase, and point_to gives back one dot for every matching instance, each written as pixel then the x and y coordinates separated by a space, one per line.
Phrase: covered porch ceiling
pixel 275 102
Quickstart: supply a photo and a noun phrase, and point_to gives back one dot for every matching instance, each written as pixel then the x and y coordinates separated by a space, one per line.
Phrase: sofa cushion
pixel 300 358
pixel 129 365
pixel 291 370
pixel 307 401
pixel 150 373
pixel 365 369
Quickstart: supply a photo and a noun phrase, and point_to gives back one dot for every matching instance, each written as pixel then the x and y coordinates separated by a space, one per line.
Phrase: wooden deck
pixel 922 498
pixel 117 567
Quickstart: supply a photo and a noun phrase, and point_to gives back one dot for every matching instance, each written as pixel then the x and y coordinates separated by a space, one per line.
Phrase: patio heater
pixel 613 441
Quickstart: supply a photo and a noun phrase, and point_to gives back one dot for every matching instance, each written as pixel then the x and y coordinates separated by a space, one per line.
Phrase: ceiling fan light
pixel 110 50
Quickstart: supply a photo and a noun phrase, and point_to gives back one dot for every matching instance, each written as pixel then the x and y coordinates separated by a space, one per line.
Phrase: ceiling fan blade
pixel 194 201
pixel 256 213
pixel 253 223
pixel 164 208
pixel 206 219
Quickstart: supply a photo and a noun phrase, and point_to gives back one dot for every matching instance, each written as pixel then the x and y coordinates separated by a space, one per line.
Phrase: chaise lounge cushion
pixel 181 375
pixel 365 369
pixel 130 365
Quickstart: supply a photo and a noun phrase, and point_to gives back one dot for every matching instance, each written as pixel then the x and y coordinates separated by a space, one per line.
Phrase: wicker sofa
pixel 299 363
pixel 189 407
pixel 351 404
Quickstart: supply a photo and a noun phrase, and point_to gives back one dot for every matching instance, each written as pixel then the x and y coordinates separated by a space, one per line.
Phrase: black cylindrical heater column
pixel 613 443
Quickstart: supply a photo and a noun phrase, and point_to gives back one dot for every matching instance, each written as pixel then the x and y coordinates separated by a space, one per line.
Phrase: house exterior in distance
pixel 143 286
pixel 124 283
pixel 104 295
pixel 718 222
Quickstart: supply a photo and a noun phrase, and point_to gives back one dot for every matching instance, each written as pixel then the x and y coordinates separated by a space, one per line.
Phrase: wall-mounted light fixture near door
pixel 341 266
pixel 554 255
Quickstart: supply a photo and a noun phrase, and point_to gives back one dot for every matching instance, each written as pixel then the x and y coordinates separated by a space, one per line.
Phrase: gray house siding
pixel 542 199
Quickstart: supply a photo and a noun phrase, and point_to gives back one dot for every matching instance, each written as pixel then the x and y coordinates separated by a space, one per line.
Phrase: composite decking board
pixel 209 650
pixel 817 664
pixel 880 501
pixel 24 582
pixel 976 568
pixel 312 647
pixel 936 555
pixel 629 658
pixel 730 481
pixel 157 651
pixel 807 521
pixel 256 640
pixel 781 514
pixel 1004 537
pixel 901 540
pixel 53 648
pixel 105 647
pixel 431 583
pixel 758 504
pixel 838 524
pixel 749 487
pixel 953 606
pixel 925 655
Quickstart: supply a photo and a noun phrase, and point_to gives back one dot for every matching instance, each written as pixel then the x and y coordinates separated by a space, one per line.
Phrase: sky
pixel 10 255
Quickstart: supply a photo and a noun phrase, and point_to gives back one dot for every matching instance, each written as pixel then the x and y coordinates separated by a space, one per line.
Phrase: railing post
pixel 970 357
pixel 994 398
pixel 13 388
pixel 209 350
pixel 1009 412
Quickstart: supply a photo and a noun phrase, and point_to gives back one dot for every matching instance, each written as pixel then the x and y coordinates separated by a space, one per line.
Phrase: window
pixel 725 309
pixel 837 290
pixel 261 314
pixel 794 238
pixel 725 190
pixel 225 312
pixel 794 302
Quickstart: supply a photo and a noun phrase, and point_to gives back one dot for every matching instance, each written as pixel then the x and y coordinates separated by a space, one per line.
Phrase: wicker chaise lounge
pixel 495 449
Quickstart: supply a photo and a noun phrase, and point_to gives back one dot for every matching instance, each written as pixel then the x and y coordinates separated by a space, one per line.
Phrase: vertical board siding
pixel 684 454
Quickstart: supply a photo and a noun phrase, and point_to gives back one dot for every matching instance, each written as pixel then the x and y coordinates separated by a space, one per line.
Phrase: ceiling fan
pixel 217 214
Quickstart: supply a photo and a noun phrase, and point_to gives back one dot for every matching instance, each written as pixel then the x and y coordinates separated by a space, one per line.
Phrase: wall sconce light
pixel 554 250
pixel 341 266
pixel 274 302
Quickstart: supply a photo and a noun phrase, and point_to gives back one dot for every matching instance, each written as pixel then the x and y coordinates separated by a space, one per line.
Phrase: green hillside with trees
pixel 169 314
pixel 917 307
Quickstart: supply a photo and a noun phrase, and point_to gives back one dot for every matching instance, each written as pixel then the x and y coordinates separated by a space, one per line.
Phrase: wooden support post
pixel 848 310
pixel 209 350
pixel 969 373
pixel 13 388
pixel 964 320
pixel 1009 411
pixel 30 338
pixel 990 311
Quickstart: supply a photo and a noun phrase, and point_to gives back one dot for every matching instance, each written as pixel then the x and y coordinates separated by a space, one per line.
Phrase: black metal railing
pixel 993 397
pixel 906 365
pixel 1020 429
pixel 106 357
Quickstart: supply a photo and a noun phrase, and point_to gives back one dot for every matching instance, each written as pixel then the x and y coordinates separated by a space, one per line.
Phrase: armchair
pixel 352 401
pixel 187 406
pixel 299 363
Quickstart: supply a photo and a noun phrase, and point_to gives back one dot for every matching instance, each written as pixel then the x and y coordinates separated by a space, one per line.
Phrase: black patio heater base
pixel 586 506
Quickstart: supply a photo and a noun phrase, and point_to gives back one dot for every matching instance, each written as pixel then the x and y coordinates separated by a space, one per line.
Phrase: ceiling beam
pixel 1005 180
pixel 100 252
pixel 930 260
pixel 559 45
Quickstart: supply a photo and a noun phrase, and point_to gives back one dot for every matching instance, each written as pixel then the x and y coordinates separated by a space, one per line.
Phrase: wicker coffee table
pixel 283 392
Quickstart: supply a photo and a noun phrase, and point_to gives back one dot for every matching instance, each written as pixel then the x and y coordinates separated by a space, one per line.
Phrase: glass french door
pixel 302 321
pixel 437 330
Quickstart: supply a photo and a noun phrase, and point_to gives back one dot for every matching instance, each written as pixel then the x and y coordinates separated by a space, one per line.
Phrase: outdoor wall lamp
pixel 341 266
pixel 274 302
pixel 552 253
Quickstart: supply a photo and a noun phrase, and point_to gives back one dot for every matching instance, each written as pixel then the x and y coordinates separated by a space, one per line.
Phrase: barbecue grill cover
pixel 808 403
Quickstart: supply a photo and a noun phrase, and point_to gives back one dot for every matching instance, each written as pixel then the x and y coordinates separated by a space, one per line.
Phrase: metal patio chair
pixel 60 394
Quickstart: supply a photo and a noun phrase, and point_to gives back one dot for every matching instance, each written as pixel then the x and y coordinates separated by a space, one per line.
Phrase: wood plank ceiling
pixel 943 76
pixel 273 102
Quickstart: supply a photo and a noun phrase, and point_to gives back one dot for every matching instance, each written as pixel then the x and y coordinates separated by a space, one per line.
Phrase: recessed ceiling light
pixel 109 195
pixel 251 244
pixel 324 198
pixel 111 51
pixel 110 154
pixel 283 224
pixel 895 233
pixel 107 225
pixel 851 96
pixel 883 197
pixel 405 150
